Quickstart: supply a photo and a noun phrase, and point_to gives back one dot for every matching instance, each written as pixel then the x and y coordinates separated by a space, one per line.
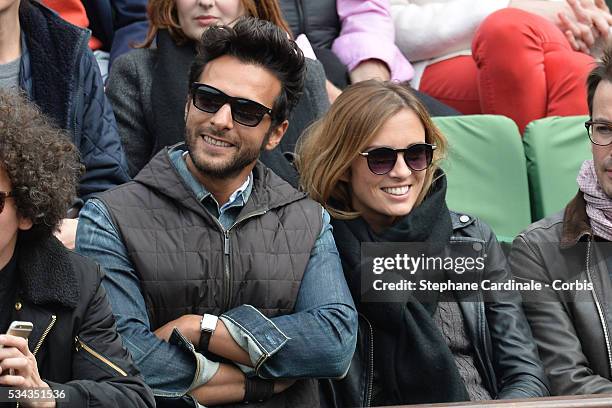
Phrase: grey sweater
pixel 129 91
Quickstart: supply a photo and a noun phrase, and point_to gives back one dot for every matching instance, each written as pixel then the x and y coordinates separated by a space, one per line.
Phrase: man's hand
pixel 227 386
pixel 67 232
pixel 579 35
pixel 188 325
pixel 593 13
pixel 370 69
pixel 18 368
pixel 587 27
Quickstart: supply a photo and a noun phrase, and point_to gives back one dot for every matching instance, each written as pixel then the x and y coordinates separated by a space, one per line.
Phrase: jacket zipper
pixel 44 335
pixel 83 40
pixel 227 268
pixel 81 345
pixel 368 401
pixel 226 255
pixel 599 310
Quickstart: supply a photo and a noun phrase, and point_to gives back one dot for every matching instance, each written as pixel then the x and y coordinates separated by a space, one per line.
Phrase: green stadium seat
pixel 555 148
pixel 486 171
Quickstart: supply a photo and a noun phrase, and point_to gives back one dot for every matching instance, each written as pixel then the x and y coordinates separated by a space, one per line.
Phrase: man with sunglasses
pixel 220 273
pixel 573 327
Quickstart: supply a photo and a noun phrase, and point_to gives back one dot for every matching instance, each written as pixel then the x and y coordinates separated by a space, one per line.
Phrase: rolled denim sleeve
pixel 168 369
pixel 318 338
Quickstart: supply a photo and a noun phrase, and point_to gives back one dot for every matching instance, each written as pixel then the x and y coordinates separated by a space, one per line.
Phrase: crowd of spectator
pixel 189 190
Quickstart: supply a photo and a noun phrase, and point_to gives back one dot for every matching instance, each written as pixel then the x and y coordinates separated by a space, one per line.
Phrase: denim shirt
pixel 316 340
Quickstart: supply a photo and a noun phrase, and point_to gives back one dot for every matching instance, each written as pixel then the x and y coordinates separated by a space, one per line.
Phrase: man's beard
pixel 229 169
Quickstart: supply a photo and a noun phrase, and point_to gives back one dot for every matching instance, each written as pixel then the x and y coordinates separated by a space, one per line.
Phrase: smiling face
pixel 602 155
pixel 196 15
pixel 382 199
pixel 219 147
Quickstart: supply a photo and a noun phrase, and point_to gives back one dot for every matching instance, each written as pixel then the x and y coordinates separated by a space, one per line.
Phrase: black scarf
pixel 410 353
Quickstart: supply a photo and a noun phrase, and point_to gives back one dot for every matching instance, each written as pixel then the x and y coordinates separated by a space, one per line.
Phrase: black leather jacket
pixel 505 352
pixel 74 340
pixel 318 19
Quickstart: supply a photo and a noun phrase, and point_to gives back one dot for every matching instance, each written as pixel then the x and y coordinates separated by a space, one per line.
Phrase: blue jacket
pixel 59 73
pixel 117 23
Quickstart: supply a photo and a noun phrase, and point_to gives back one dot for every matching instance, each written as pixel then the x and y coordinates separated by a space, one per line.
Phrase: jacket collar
pixel 269 191
pixel 576 224
pixel 53 48
pixel 46 273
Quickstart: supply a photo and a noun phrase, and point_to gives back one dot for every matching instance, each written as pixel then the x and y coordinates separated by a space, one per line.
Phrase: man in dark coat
pixel 570 253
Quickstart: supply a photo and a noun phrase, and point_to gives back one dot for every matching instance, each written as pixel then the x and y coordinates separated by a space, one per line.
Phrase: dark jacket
pixel 60 74
pixel 246 264
pixel 75 341
pixel 505 353
pixel 572 328
pixel 117 23
pixel 318 19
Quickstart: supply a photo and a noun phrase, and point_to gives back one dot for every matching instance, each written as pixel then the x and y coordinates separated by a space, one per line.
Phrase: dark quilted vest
pixel 178 249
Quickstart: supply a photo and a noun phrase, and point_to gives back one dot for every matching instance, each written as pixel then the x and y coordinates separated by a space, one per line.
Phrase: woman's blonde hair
pixel 163 15
pixel 327 149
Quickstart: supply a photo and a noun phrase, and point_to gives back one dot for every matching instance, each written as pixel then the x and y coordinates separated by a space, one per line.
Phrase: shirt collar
pixel 237 198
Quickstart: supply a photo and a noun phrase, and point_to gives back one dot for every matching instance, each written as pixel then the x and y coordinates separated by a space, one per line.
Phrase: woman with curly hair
pixel 43 283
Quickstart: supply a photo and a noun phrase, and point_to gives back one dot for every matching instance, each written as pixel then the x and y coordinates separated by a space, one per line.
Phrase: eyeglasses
pixel 599 131
pixel 3 196
pixel 244 111
pixel 382 160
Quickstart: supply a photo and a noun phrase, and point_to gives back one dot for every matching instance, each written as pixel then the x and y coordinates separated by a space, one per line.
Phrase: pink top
pixel 368 33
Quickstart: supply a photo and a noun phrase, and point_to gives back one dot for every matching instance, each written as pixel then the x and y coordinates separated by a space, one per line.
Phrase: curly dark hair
pixel 41 163
pixel 262 43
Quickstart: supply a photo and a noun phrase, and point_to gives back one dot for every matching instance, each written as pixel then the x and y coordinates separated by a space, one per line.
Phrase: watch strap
pixel 207 328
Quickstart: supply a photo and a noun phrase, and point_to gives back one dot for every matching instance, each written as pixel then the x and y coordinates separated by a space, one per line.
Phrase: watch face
pixel 209 323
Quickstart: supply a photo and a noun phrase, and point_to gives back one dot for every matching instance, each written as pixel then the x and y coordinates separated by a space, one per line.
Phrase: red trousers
pixel 522 66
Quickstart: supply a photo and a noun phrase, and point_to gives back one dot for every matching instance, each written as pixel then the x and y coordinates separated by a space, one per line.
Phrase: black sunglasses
pixel 382 160
pixel 244 111
pixel 599 131
pixel 3 196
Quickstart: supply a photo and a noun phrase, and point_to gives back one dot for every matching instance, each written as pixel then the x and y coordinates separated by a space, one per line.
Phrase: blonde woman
pixel 372 161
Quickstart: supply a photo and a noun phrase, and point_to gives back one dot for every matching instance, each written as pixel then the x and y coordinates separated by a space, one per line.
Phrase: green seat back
pixel 555 148
pixel 486 171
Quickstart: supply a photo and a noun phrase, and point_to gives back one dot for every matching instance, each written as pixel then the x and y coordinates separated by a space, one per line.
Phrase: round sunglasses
pixel 382 160
pixel 244 111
